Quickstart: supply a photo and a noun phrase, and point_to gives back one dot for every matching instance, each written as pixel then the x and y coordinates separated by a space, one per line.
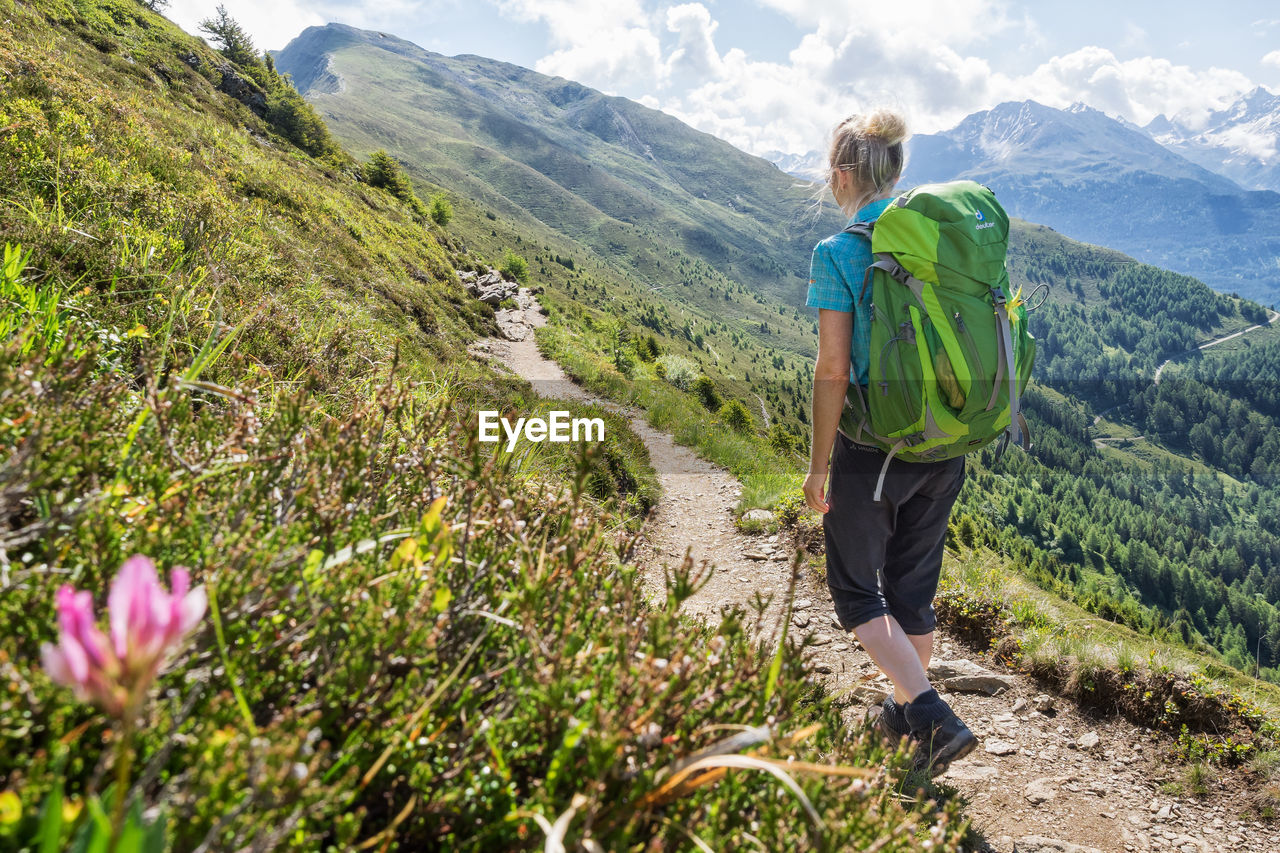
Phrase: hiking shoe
pixel 892 722
pixel 945 741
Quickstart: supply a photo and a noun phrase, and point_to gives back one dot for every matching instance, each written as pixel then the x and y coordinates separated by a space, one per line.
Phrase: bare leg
pixel 900 656
pixel 923 644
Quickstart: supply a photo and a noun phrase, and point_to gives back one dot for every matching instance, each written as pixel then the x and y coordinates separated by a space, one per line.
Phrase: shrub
pixel 385 171
pixel 647 348
pixel 515 268
pixel 785 440
pixel 441 212
pixel 679 371
pixel 736 416
pixel 705 389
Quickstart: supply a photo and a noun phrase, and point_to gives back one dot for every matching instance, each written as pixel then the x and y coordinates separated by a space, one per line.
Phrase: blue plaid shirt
pixel 835 281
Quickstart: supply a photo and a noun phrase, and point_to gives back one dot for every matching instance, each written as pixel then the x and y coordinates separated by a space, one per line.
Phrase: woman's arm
pixel 830 381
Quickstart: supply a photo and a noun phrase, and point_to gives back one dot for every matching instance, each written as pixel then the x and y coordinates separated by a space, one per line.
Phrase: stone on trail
pixel 964 772
pixel 1041 844
pixel 965 676
pixel 1000 747
pixel 762 515
pixel 755 555
pixel 1040 791
pixel 868 695
pixel 1088 740
pixel 1019 705
pixel 1044 703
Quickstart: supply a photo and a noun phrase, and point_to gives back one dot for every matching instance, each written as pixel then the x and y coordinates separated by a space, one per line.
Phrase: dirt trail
pixel 1040 780
pixel 1159 370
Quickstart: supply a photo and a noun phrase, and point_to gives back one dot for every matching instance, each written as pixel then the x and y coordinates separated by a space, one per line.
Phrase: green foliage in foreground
pixel 412 644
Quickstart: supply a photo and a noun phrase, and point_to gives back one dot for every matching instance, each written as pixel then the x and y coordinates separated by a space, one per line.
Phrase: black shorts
pixel 885 557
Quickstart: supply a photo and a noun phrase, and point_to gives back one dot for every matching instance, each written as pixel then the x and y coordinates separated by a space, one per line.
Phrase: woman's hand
pixel 815 484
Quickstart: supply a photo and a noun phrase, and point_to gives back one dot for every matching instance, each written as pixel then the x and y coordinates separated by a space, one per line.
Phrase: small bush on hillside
pixel 515 268
pixel 441 212
pixel 647 348
pixel 705 389
pixel 385 171
pixel 785 440
pixel 679 371
pixel 736 416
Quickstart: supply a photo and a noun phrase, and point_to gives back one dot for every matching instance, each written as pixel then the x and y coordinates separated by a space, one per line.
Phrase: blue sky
pixel 776 74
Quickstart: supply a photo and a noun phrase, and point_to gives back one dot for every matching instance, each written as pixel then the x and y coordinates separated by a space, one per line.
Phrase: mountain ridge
pixel 548 143
pixel 1100 181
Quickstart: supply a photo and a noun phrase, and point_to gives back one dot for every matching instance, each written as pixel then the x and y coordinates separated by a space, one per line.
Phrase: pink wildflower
pixel 146 625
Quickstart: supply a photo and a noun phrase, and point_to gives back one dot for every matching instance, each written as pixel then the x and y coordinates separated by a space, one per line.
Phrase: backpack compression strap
pixel 1004 332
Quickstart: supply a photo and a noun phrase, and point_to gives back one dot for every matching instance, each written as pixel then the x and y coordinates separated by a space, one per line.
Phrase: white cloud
pixel 1272 58
pixel 925 22
pixel 695 53
pixel 617 57
pixel 1252 143
pixel 603 43
pixel 1137 89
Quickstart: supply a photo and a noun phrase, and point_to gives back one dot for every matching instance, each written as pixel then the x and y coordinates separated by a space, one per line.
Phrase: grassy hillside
pixel 639 188
pixel 227 352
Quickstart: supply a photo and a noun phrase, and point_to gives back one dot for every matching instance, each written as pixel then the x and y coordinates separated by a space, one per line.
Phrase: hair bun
pixel 887 126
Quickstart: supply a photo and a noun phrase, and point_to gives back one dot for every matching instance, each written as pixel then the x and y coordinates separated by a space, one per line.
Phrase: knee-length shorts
pixel 885 557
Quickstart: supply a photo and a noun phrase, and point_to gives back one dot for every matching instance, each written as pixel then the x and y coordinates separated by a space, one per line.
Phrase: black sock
pixel 925 710
pixel 894 716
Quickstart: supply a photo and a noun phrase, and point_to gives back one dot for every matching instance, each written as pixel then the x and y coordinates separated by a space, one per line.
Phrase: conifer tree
pixel 231 39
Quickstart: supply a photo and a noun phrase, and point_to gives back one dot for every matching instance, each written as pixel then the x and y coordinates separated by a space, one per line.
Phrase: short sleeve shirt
pixel 835 281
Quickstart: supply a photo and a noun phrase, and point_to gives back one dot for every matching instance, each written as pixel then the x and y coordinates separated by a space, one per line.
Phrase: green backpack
pixel 950 349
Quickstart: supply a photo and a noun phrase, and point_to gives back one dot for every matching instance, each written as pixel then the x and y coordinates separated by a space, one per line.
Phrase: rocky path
pixel 1046 777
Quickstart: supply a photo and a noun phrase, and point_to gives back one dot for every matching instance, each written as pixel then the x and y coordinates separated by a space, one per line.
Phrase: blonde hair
pixel 871 148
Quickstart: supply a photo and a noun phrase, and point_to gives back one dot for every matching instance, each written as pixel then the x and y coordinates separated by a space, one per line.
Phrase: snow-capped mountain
pixel 811 166
pixel 1026 137
pixel 1104 181
pixel 1241 142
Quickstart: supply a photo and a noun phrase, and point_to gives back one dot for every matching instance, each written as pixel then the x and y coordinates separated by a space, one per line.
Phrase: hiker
pixel 884 518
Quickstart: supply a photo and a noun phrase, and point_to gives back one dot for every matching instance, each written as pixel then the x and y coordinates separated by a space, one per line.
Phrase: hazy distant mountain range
pixel 1241 142
pixel 1105 181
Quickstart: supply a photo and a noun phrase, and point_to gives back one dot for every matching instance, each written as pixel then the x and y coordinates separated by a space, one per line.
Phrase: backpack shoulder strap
pixel 861 229
pixel 864 230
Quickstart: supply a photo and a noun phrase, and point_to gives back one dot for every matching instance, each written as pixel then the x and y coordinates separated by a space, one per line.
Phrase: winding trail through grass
pixel 1031 779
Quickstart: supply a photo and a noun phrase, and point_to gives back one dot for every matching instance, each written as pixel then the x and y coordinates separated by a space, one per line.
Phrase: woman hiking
pixel 883 557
